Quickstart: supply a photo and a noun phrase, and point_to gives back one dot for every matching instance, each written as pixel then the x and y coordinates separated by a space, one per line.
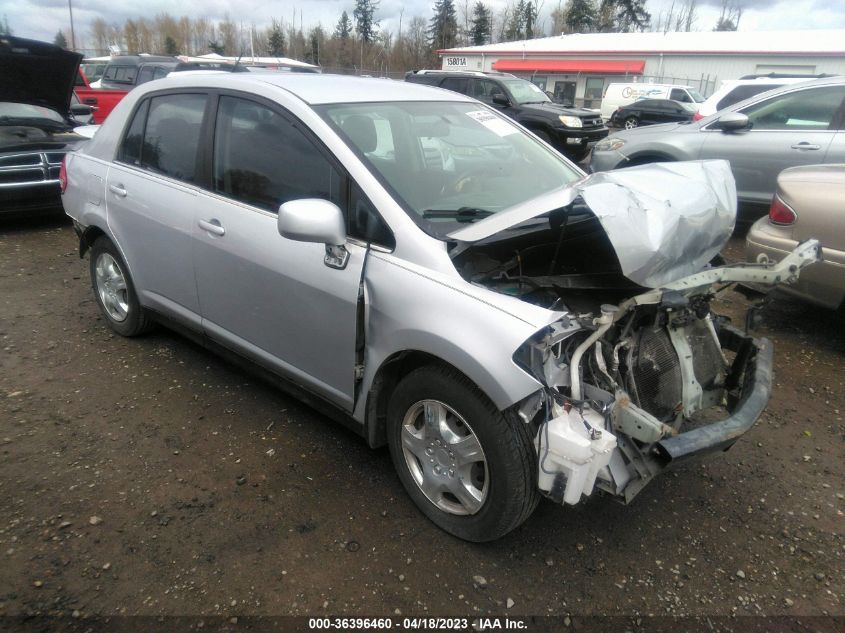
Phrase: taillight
pixel 780 212
pixel 63 174
pixel 697 116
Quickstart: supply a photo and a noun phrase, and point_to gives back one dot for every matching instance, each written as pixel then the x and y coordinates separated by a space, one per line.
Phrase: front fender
pixel 410 311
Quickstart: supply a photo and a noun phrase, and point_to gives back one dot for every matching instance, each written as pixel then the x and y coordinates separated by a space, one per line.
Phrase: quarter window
pixel 130 149
pixel 812 109
pixel 260 158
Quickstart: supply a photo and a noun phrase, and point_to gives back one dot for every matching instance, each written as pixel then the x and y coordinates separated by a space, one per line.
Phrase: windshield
pixel 525 92
pixel 15 112
pixel 449 163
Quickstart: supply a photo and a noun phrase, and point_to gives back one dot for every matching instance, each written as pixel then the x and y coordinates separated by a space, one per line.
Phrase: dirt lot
pixel 147 476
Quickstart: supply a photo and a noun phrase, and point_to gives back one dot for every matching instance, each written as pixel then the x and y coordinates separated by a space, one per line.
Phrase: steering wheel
pixel 466 181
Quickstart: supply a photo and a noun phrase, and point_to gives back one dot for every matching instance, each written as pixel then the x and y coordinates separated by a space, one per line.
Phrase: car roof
pixel 314 89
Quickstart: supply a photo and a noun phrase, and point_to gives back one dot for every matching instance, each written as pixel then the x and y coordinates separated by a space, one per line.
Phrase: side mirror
pixel 319 221
pixel 80 109
pixel 500 99
pixel 731 121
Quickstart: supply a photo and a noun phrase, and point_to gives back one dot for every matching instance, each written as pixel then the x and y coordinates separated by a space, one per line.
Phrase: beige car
pixel 809 203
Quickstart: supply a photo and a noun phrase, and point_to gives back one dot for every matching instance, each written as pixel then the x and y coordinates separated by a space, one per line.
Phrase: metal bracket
pixel 336 256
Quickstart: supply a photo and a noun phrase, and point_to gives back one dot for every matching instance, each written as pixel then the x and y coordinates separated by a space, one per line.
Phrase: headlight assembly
pixel 609 145
pixel 570 121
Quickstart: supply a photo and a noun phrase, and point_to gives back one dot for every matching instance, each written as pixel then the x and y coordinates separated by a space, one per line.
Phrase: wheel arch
pixel 391 371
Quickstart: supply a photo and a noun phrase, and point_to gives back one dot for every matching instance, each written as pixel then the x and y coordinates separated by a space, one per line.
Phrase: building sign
pixel 456 62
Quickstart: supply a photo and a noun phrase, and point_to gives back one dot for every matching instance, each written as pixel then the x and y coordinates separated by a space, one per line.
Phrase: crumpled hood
pixel 37 73
pixel 665 221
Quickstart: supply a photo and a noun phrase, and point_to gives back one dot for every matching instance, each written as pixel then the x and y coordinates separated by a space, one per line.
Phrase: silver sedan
pixel 432 275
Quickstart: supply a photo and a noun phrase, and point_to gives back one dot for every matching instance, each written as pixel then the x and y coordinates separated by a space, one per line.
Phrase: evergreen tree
pixel 365 22
pixel 344 27
pixel 443 27
pixel 170 47
pixel 530 18
pixel 580 16
pixel 479 33
pixel 216 47
pixel 625 16
pixel 4 26
pixel 276 40
pixel 60 40
pixel 516 24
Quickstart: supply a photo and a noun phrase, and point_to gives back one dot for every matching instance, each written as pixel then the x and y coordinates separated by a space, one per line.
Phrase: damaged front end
pixel 633 378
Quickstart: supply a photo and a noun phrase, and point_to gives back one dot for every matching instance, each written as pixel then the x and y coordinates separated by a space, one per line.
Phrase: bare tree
pixel 729 17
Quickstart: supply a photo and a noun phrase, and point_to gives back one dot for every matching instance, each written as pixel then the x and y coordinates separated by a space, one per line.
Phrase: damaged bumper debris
pixel 654 381
pixel 656 377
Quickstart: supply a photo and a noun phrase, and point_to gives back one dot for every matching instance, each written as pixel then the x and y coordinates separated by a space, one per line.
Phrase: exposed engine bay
pixel 631 369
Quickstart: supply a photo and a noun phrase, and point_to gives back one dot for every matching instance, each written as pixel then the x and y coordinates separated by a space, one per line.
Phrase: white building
pixel 578 67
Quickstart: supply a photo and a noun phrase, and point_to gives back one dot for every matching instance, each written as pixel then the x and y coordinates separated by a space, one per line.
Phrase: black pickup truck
pixel 572 131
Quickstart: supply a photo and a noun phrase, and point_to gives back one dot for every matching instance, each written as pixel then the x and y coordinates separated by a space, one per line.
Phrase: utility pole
pixel 72 36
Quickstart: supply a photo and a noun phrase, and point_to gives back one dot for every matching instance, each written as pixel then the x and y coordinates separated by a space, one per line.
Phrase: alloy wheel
pixel 112 288
pixel 444 457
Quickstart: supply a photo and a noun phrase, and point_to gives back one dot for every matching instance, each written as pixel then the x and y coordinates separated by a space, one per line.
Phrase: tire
pixel 543 136
pixel 497 478
pixel 115 292
pixel 631 122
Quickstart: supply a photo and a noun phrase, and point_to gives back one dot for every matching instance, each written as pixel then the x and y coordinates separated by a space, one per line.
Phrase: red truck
pixel 121 75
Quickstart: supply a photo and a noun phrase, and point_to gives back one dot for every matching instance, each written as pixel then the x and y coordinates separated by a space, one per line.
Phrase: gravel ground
pixel 149 477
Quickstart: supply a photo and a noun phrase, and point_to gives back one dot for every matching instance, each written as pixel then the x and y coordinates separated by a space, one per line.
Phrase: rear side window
pixel 458 84
pixel 145 75
pixel 170 127
pixel 740 93
pixel 121 74
pixel 261 159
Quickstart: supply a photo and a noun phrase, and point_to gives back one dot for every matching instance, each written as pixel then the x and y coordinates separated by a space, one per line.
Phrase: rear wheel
pixel 470 468
pixel 114 291
pixel 631 122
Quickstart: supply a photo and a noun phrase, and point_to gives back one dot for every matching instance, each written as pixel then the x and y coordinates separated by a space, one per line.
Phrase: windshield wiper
pixel 464 214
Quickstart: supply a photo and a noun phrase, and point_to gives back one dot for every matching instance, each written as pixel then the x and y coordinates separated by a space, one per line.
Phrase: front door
pixel 272 299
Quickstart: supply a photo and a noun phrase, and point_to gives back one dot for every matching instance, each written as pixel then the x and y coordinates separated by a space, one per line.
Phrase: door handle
pixel 805 145
pixel 213 227
pixel 118 190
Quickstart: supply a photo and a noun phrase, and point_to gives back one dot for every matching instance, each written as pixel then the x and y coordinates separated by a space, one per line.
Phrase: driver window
pixel 485 89
pixel 811 109
pixel 262 159
pixel 678 94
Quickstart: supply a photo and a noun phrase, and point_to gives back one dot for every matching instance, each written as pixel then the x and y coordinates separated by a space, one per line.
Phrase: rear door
pixel 272 299
pixel 151 198
pixel 790 129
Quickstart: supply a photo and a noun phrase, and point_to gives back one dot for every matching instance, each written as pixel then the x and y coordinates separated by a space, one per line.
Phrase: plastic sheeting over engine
pixel 665 221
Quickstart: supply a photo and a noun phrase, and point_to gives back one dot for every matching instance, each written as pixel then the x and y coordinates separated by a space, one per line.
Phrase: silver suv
pixel 432 275
pixel 798 124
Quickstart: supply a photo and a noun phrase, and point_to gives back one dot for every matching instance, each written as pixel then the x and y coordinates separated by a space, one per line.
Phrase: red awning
pixel 572 66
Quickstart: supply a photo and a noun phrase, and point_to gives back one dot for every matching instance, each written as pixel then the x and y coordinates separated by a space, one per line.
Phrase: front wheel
pixel 631 122
pixel 115 292
pixel 470 468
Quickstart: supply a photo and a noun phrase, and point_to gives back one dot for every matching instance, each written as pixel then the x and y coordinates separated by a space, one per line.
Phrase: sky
pixel 41 19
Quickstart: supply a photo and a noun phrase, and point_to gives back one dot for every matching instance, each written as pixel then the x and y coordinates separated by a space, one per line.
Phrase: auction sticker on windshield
pixel 492 122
